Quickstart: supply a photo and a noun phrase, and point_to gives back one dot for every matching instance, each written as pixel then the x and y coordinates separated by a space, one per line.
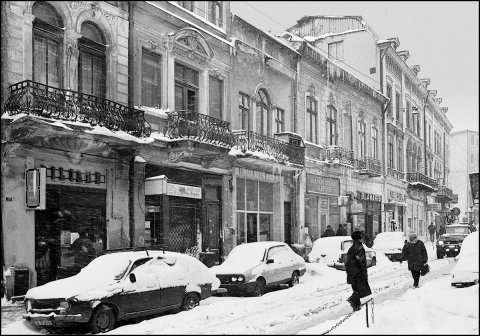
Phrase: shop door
pixel 287 222
pixel 184 218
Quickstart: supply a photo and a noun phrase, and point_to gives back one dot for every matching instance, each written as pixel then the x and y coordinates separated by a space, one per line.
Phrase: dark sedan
pixel 449 245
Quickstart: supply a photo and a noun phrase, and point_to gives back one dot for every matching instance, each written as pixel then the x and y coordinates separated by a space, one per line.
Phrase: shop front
pixel 370 218
pixel 395 210
pixel 416 212
pixel 321 204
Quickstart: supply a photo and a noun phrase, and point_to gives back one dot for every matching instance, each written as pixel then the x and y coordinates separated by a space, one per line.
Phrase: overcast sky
pixel 441 36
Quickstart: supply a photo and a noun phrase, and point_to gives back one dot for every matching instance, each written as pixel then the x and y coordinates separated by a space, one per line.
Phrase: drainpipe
pixel 384 135
pixel 131 174
pixel 425 134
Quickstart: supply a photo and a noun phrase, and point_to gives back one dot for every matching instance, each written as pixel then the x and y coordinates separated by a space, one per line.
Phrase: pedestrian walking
pixel 431 230
pixel 415 253
pixel 356 268
pixel 329 232
pixel 341 231
pixel 442 229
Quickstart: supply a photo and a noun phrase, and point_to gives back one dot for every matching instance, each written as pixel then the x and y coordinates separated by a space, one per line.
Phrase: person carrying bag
pixel 415 253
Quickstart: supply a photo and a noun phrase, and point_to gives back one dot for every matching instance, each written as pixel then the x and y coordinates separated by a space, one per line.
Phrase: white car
pixel 465 271
pixel 390 244
pixel 251 267
pixel 332 251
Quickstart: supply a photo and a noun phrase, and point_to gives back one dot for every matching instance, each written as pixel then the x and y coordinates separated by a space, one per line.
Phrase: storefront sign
pixel 156 185
pixel 35 180
pixel 389 207
pixel 434 207
pixel 363 196
pixel 323 185
pixel 181 190
pixel 357 208
pixel 396 196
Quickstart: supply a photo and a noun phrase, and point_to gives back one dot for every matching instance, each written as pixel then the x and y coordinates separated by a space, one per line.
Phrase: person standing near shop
pixel 329 232
pixel 415 253
pixel 341 231
pixel 431 230
pixel 82 250
pixel 356 269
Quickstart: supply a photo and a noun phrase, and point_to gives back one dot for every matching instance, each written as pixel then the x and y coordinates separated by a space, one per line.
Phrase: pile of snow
pixel 466 269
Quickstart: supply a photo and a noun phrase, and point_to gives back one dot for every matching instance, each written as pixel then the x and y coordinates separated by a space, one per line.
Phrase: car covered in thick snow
pixel 465 271
pixel 449 244
pixel 119 286
pixel 252 267
pixel 390 244
pixel 332 251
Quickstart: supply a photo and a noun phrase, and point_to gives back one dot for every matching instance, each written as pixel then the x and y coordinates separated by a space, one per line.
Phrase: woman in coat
pixel 415 253
pixel 356 268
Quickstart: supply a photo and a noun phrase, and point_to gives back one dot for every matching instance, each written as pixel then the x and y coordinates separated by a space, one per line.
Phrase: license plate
pixel 42 322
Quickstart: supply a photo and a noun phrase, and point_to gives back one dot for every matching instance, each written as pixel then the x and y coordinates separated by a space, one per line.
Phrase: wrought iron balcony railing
pixel 369 165
pixel 50 102
pixel 337 154
pixel 198 126
pixel 419 178
pixel 445 192
pixel 396 173
pixel 280 150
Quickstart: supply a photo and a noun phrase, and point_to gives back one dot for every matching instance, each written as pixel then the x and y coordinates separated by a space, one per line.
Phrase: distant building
pixel 464 161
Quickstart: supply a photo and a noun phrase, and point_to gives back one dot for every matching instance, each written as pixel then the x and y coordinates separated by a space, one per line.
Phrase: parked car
pixel 390 244
pixel 119 286
pixel 252 267
pixel 465 271
pixel 450 243
pixel 332 251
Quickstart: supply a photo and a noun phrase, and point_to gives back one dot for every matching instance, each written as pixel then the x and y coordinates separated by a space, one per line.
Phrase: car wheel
pixel 190 301
pixel 259 288
pixel 102 320
pixel 374 261
pixel 295 280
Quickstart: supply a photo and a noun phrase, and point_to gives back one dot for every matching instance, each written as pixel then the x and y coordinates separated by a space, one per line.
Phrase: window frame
pixel 332 126
pixel 187 87
pixel 400 155
pixel 145 51
pixel 390 157
pixel 362 132
pixel 389 95
pixel 311 120
pixel 215 5
pixel 244 110
pixel 279 120
pixel 263 106
pixel 374 137
pixel 221 94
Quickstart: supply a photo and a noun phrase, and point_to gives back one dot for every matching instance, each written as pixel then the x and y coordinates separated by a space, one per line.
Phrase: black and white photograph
pixel 239 167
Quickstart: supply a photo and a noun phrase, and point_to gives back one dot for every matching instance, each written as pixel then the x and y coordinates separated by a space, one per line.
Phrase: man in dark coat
pixel 341 231
pixel 356 268
pixel 415 253
pixel 329 232
pixel 431 230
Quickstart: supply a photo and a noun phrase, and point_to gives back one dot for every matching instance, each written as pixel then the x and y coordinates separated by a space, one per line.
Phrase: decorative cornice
pixel 433 93
pixel 404 54
pixel 438 100
pixel 394 42
pixel 444 109
pixel 425 82
pixel 415 69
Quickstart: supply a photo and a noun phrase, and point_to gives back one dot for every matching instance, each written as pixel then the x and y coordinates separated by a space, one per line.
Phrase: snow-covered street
pixel 319 302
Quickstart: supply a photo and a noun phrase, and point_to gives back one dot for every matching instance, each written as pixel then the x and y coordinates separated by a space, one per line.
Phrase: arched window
pixel 47 42
pixel 92 61
pixel 263 115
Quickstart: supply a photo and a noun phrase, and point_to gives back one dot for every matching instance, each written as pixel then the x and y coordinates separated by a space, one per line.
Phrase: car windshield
pixel 452 237
pixel 458 229
pixel 246 252
pixel 109 266
pixel 389 240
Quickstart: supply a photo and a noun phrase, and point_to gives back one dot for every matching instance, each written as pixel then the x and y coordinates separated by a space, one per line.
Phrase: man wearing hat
pixel 415 253
pixel 356 268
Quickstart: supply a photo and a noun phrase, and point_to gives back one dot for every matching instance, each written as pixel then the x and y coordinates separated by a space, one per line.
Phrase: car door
pixel 141 294
pixel 274 271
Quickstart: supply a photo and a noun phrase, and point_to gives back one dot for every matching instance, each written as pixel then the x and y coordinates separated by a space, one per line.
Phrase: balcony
pixel 396 173
pixel 444 194
pixel 422 181
pixel 200 127
pixel 49 102
pixel 369 166
pixel 260 145
pixel 340 155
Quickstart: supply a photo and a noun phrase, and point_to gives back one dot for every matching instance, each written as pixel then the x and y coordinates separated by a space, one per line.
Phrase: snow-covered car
pixel 252 267
pixel 120 286
pixel 460 228
pixel 449 244
pixel 390 244
pixel 465 271
pixel 332 251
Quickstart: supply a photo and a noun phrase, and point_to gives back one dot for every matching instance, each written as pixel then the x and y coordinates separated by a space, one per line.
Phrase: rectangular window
pixel 347 132
pixel 399 155
pixel 187 4
pixel 361 140
pixel 92 73
pixel 397 107
pixel 186 88
pixel 389 95
pixel 332 135
pixel 215 97
pixel 311 122
pixel 375 143
pixel 244 109
pixel 407 121
pixel 151 79
pixel 390 151
pixel 215 13
pixel 335 50
pixel 280 120
pixel 47 66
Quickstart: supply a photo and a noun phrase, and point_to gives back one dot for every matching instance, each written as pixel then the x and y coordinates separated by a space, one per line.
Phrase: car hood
pixel 68 287
pixel 233 268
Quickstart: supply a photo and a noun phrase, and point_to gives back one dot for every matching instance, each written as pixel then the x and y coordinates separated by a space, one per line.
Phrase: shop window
pixel 252 195
pixel 244 110
pixel 280 120
pixel 262 115
pixel 92 61
pixel 186 88
pixel 47 42
pixel 311 216
pixel 151 79
pixel 215 13
pixel 215 97
pixel 332 135
pixel 311 120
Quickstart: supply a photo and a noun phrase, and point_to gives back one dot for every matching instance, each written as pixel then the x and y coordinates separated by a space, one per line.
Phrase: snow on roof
pixel 100 130
pixel 154 110
pixel 138 158
pixel 311 38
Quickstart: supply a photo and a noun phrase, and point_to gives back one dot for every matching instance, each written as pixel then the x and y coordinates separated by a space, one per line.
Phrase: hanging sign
pixel 181 190
pixel 356 208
